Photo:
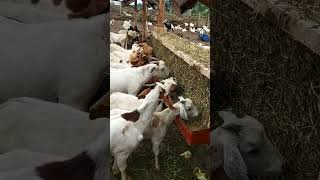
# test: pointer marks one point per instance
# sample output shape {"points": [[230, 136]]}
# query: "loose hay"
{"points": [[262, 71], [192, 83]]}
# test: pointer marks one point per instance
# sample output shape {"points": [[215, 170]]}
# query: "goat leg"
{"points": [[155, 149]]}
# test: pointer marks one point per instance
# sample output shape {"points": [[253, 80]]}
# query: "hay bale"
{"points": [[262, 71], [193, 81]]}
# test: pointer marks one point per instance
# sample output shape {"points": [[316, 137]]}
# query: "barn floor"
{"points": [[172, 165], [193, 37]]}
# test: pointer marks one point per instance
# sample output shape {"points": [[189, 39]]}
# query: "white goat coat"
{"points": [[46, 127], [130, 80]]}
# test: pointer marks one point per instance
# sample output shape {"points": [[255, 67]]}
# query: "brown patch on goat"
{"points": [[156, 122], [80, 167], [86, 8], [167, 101], [144, 93], [141, 56], [131, 116], [101, 108], [153, 79]]}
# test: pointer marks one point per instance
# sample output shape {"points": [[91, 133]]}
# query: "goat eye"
{"points": [[253, 151]]}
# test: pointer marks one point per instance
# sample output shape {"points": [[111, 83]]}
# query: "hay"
{"points": [[191, 82], [309, 9], [197, 53], [262, 71]]}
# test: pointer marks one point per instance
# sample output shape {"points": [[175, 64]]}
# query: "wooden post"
{"points": [[161, 13], [135, 14], [170, 9], [144, 19]]}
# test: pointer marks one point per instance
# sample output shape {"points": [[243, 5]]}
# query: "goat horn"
{"points": [[150, 85], [153, 59]]}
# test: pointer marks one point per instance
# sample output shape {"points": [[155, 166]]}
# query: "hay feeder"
{"points": [[189, 64]]}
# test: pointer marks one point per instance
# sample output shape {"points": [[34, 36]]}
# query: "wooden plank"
{"points": [[288, 18], [144, 19], [161, 13], [135, 14]]}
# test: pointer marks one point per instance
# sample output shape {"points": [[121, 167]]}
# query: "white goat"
{"points": [[93, 160], [111, 22], [127, 14], [161, 121], [126, 25], [126, 135], [45, 127], [118, 38], [242, 148], [130, 102], [119, 57], [205, 28], [122, 38], [156, 131], [130, 80]]}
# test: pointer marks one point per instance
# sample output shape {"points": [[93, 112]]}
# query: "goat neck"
{"points": [[149, 106], [171, 114]]}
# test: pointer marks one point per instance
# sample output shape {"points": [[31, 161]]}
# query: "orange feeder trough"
{"points": [[193, 137]]}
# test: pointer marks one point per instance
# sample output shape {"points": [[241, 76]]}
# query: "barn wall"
{"points": [[262, 71]]}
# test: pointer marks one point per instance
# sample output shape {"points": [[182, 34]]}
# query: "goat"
{"points": [[90, 164], [161, 119], [130, 80], [126, 25], [242, 148], [127, 14], [122, 38], [168, 25], [135, 121], [206, 29], [82, 8], [45, 126], [131, 102]]}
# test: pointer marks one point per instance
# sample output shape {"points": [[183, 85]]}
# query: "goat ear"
{"points": [[181, 99], [183, 113], [234, 165], [160, 84], [228, 116], [100, 108]]}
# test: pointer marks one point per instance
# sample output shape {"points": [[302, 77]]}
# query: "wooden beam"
{"points": [[161, 13], [144, 19], [135, 14]]}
